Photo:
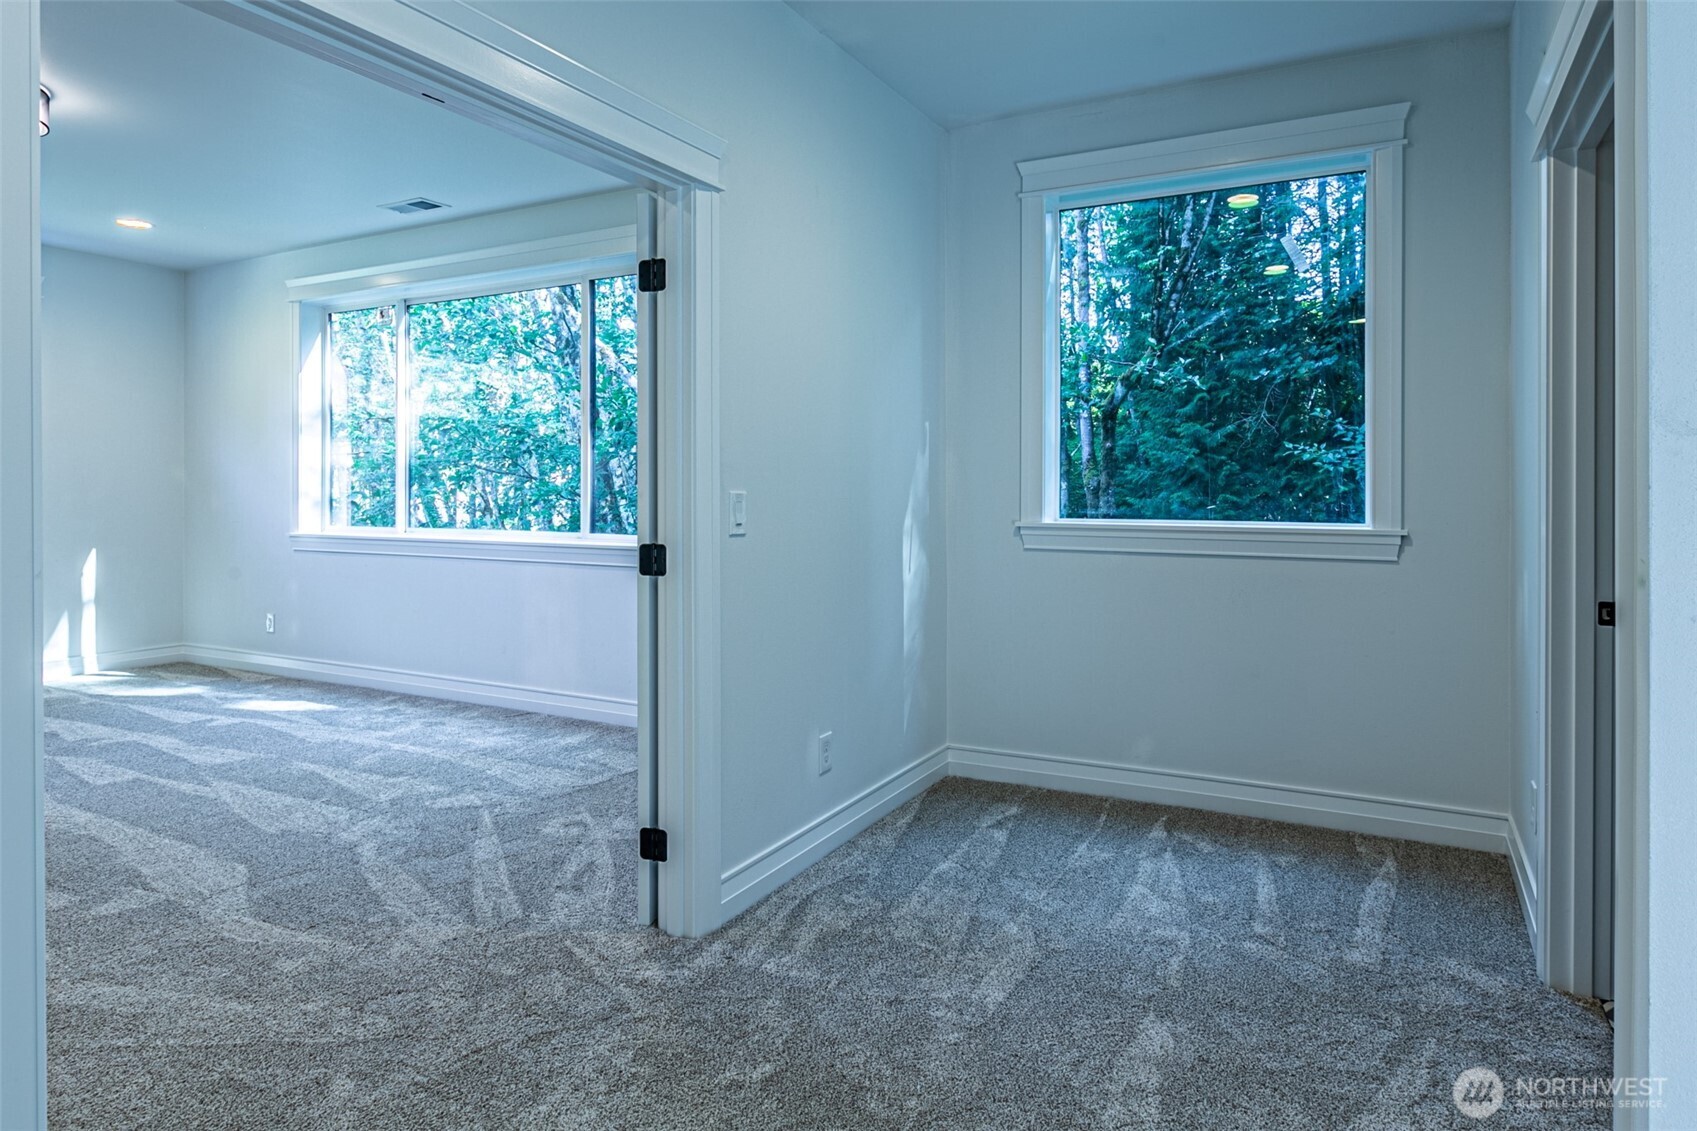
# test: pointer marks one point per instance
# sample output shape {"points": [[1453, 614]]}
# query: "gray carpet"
{"points": [[284, 905]]}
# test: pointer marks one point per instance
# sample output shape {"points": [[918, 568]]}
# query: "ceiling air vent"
{"points": [[416, 204]]}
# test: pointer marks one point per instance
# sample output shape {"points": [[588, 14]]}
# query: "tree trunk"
{"points": [[1325, 243]]}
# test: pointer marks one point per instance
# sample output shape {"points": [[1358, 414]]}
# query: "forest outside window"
{"points": [[477, 414], [1213, 356]]}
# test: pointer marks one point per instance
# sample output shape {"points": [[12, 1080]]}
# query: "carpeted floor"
{"points": [[274, 904]]}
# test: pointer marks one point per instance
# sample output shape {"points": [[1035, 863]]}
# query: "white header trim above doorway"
{"points": [[498, 76]]}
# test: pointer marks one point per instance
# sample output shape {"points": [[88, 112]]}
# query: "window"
{"points": [[1212, 355], [482, 412], [1213, 343]]}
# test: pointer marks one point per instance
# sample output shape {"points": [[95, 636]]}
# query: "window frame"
{"points": [[563, 261], [1369, 141]]}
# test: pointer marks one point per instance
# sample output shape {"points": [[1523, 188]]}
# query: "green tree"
{"points": [[496, 402], [1212, 355], [615, 405], [361, 379]]}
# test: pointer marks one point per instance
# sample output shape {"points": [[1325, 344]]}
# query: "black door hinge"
{"points": [[651, 275], [651, 844], [651, 559], [1606, 614]]}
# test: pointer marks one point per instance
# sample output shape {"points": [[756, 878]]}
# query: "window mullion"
{"points": [[404, 423], [326, 425], [586, 407]]}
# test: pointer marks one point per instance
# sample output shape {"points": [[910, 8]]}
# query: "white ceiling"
{"points": [[236, 146], [963, 61]]}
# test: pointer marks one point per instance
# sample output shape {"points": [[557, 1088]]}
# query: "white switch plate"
{"points": [[825, 752], [739, 514], [270, 623]]}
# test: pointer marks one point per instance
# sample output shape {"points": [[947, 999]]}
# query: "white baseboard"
{"points": [[1525, 882], [55, 671], [752, 880], [1373, 816], [592, 708], [760, 875]]}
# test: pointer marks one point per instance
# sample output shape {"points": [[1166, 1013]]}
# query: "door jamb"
{"points": [[23, 899], [1589, 79]]}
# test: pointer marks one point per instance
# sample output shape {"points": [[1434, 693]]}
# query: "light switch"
{"points": [[739, 513]]}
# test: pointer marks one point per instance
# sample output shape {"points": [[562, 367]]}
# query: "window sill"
{"points": [[592, 550], [1234, 540]]}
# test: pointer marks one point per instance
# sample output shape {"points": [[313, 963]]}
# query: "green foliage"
{"points": [[496, 401], [1195, 385], [496, 398], [615, 405], [362, 417]]}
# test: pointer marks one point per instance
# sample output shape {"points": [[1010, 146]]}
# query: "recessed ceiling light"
{"points": [[1242, 200], [1275, 269], [133, 224]]}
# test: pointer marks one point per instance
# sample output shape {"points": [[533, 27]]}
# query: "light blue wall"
{"points": [[830, 352], [1385, 681], [1670, 168], [112, 459]]}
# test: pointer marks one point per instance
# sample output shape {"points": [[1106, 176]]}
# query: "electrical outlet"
{"points": [[270, 623], [825, 752]]}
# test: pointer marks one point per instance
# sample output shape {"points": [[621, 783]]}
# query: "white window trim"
{"points": [[555, 261], [476, 545], [1370, 140]]}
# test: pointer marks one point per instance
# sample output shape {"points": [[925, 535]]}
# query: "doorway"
{"points": [[464, 430], [1584, 453], [492, 75], [1587, 445]]}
